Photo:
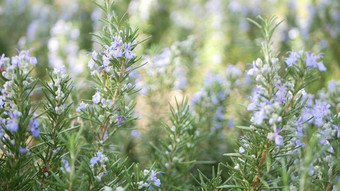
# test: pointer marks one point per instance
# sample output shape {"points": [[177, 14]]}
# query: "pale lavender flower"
{"points": [[241, 150], [320, 111], [91, 64], [96, 98], [15, 61], [33, 61], [128, 52], [312, 61], [276, 137], [117, 43], [94, 160], [12, 124], [120, 119], [331, 85], [34, 127], [106, 61], [23, 150], [81, 106], [254, 98], [94, 55], [153, 177], [281, 93], [293, 57], [66, 165], [117, 53]]}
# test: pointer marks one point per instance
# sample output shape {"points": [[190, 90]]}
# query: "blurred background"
{"points": [[198, 48]]}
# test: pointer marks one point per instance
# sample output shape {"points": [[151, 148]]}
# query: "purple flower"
{"points": [[120, 119], [23, 150], [312, 61], [153, 177], [94, 55], [276, 137], [106, 61], [66, 165], [91, 64], [254, 98], [117, 53], [117, 43], [15, 61], [96, 98], [128, 52], [331, 85], [13, 123], [82, 106], [293, 57], [299, 125], [34, 126], [281, 93], [241, 150], [320, 111], [33, 61], [94, 160]]}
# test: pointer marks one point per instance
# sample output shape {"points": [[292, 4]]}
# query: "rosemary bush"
{"points": [[54, 138]]}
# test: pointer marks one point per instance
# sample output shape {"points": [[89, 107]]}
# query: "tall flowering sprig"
{"points": [[276, 104], [19, 125], [110, 107], [57, 109], [110, 67]]}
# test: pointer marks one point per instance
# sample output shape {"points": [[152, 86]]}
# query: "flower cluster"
{"points": [[213, 96], [104, 60], [15, 71], [311, 59]]}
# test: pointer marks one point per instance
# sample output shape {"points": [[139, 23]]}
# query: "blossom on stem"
{"points": [[34, 127], [96, 98]]}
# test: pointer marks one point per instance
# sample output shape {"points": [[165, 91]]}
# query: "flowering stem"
{"points": [[115, 97], [262, 159]]}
